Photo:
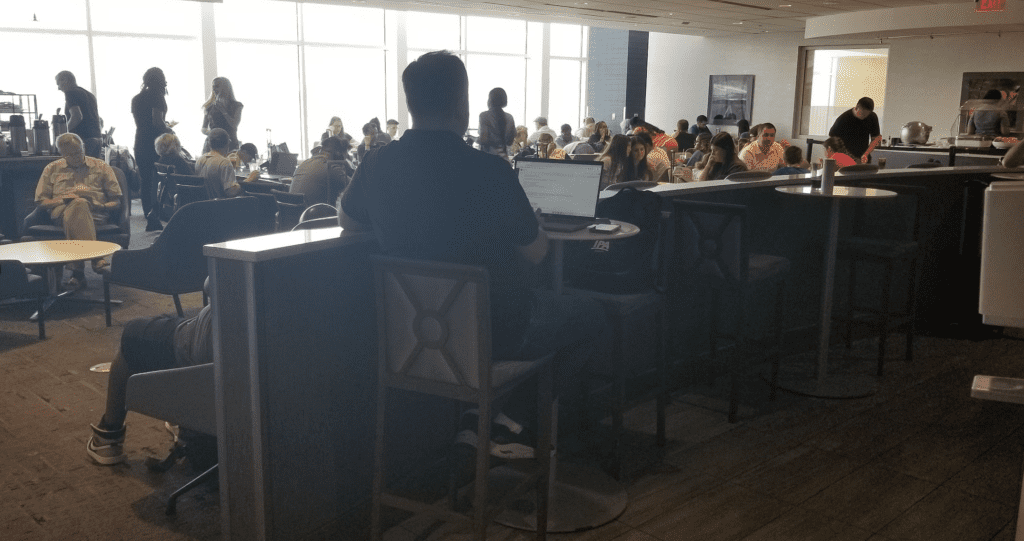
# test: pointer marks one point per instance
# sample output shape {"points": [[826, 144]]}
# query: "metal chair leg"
{"points": [[106, 300], [42, 317], [177, 305], [172, 503], [883, 325]]}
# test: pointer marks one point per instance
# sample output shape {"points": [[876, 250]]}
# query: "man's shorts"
{"points": [[147, 344]]}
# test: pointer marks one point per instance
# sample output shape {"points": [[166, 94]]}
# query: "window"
{"points": [[833, 81]]}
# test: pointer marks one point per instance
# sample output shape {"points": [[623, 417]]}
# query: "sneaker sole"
{"points": [[508, 451], [103, 460]]}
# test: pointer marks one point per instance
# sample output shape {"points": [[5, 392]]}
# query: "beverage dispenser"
{"points": [[19, 139]]}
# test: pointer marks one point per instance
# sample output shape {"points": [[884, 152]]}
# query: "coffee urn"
{"points": [[19, 139], [41, 137], [60, 126]]}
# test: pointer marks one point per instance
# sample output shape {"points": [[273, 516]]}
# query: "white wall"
{"points": [[923, 82], [679, 68]]}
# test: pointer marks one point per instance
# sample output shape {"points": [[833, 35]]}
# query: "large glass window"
{"points": [[42, 15], [343, 24], [564, 94], [164, 17], [489, 71], [432, 32], [833, 81], [39, 78], [487, 35], [356, 98], [264, 20]]}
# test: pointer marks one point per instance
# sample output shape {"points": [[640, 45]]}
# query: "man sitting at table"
{"points": [[245, 154], [79, 192], [322, 177], [763, 153], [216, 167], [430, 196]]}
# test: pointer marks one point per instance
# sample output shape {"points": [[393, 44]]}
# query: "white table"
{"points": [[822, 385], [53, 255]]}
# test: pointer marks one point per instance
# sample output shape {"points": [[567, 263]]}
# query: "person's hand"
{"points": [[172, 123], [253, 176], [784, 143], [864, 159], [206, 131], [540, 218]]}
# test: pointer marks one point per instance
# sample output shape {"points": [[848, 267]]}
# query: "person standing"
{"points": [[149, 109], [82, 112], [497, 128], [858, 128], [222, 111]]}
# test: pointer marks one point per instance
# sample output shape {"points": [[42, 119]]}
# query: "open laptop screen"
{"points": [[561, 187]]}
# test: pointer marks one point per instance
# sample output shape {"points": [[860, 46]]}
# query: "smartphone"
{"points": [[604, 228]]}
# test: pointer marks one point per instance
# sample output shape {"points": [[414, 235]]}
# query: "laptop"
{"points": [[283, 163], [565, 191]]}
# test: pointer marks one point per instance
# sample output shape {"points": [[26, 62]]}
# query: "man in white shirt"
{"points": [[586, 130], [764, 153], [542, 127]]}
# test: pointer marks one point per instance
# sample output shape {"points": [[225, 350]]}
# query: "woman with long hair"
{"points": [[222, 111], [836, 149], [724, 159], [617, 160], [601, 137], [149, 109], [497, 128], [521, 140]]}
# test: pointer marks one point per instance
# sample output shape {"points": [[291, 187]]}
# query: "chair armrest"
{"points": [[181, 396], [136, 267]]}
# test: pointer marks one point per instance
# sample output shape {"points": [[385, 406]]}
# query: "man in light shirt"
{"points": [[763, 154], [542, 127]]}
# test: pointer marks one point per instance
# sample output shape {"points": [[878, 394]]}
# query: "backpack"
{"points": [[624, 265], [121, 157]]}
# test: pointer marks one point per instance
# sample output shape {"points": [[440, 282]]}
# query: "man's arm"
{"points": [[74, 118], [538, 249], [1014, 157], [44, 189], [867, 153]]}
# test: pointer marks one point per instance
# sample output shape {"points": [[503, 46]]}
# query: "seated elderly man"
{"points": [[322, 177], [215, 166], [79, 192], [763, 153]]}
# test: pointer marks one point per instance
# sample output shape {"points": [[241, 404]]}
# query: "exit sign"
{"points": [[991, 5]]}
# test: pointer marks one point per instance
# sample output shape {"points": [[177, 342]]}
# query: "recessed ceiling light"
{"points": [[785, 5], [740, 22]]}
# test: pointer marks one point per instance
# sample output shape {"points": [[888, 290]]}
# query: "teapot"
{"points": [[915, 133]]}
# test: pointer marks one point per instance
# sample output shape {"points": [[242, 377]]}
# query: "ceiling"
{"points": [[692, 17]]}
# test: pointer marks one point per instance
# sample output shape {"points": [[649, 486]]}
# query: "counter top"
{"points": [[286, 244]]}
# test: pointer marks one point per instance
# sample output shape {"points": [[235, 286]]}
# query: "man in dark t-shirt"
{"points": [[431, 196], [83, 115], [858, 128]]}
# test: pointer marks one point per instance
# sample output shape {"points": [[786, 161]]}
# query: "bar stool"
{"points": [[711, 250], [434, 332], [888, 244]]}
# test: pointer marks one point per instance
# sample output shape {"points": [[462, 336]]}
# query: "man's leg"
{"points": [[146, 345], [78, 224]]}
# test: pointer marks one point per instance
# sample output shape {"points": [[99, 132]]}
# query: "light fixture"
{"points": [[740, 22], [785, 5]]}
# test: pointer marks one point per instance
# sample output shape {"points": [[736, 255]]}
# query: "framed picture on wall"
{"points": [[977, 84], [730, 99]]}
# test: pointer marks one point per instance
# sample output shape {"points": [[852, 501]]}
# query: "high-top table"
{"points": [[823, 385], [559, 238], [53, 255]]}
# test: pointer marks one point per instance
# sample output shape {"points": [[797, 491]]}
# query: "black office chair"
{"points": [[174, 264], [319, 210], [712, 253], [749, 176], [887, 238], [186, 189], [16, 282], [290, 207], [39, 226]]}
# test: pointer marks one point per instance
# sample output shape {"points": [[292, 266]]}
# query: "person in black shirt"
{"points": [[149, 108], [82, 112], [858, 128], [430, 196]]}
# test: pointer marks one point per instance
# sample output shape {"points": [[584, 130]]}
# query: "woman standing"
{"points": [[149, 109], [497, 128], [222, 111]]}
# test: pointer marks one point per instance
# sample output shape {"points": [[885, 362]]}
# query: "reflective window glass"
{"points": [[432, 32], [566, 40], [343, 24], [487, 72], [166, 17], [564, 95], [39, 78], [355, 101], [484, 34], [255, 19], [43, 15]]}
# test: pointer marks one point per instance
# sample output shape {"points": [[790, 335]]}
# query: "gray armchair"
{"points": [[174, 263], [15, 282], [38, 226]]}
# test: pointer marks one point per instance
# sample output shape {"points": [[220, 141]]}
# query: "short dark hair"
{"points": [[566, 127], [683, 124], [993, 94], [219, 139], [68, 76], [793, 155], [645, 139], [391, 121], [702, 118], [249, 149], [767, 125], [335, 148], [866, 103], [435, 83], [368, 127]]}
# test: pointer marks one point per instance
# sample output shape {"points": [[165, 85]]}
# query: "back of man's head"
{"points": [[335, 148], [67, 76], [793, 155], [702, 118], [368, 128], [566, 129], [436, 86], [683, 124], [219, 139], [249, 150], [866, 103]]}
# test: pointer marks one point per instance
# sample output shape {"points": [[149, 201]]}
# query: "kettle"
{"points": [[915, 133]]}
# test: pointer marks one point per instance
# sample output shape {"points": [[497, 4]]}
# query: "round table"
{"points": [[1008, 176], [821, 385], [559, 239], [53, 255]]}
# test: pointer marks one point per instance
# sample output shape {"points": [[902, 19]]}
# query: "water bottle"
{"points": [[828, 175]]}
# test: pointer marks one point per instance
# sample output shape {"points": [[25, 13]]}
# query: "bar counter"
{"points": [[295, 346]]}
